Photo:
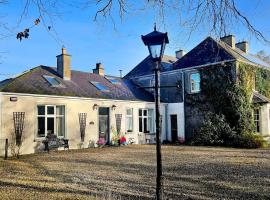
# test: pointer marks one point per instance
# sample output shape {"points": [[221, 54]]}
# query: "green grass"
{"points": [[129, 172]]}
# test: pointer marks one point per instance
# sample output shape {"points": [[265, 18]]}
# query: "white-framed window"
{"points": [[129, 119], [146, 120], [195, 81], [257, 119], [50, 120]]}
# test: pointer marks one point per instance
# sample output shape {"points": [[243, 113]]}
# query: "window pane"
{"points": [[145, 125], [50, 125], [140, 125], [140, 112], [41, 110], [50, 110], [41, 127], [99, 86], [144, 112], [60, 110], [129, 124], [60, 126], [195, 82], [129, 111], [52, 80]]}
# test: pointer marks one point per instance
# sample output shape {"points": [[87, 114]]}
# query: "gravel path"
{"points": [[129, 172]]}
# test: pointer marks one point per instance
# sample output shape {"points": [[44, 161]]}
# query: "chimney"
{"points": [[243, 46], [229, 40], [180, 53], [99, 69], [63, 65]]}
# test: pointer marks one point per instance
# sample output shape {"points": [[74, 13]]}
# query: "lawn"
{"points": [[129, 172]]}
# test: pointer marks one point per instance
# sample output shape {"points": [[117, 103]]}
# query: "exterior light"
{"points": [[113, 107], [156, 42], [95, 106]]}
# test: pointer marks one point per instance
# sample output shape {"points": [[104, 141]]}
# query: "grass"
{"points": [[129, 172]]}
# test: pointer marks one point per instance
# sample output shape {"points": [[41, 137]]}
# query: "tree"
{"points": [[220, 16], [263, 56]]}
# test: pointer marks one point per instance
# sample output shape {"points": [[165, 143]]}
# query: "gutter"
{"points": [[74, 97], [186, 69]]}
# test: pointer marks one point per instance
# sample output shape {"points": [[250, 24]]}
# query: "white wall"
{"points": [[176, 109], [265, 120], [74, 105]]}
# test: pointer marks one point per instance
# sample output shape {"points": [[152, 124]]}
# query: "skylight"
{"points": [[52, 80], [113, 80], [99, 86]]}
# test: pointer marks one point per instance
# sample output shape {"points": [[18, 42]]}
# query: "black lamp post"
{"points": [[156, 41]]}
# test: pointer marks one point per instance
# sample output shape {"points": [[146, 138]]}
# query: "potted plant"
{"points": [[101, 142]]}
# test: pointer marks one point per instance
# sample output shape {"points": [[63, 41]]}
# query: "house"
{"points": [[53, 99], [224, 57], [65, 102]]}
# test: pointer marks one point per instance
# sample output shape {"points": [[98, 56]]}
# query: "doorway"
{"points": [[103, 119], [174, 129]]}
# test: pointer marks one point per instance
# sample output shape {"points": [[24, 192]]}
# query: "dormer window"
{"points": [[195, 81], [99, 86], [113, 80], [52, 80]]}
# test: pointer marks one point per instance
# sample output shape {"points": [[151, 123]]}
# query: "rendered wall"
{"points": [[28, 104]]}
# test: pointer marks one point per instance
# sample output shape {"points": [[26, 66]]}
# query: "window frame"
{"points": [[54, 116], [130, 116], [257, 119], [146, 117], [52, 85], [96, 84], [198, 82]]}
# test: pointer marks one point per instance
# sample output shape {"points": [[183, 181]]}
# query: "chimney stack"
{"points": [[180, 53], [63, 65], [229, 40], [243, 46], [99, 69]]}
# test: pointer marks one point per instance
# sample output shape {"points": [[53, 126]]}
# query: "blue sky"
{"points": [[89, 42]]}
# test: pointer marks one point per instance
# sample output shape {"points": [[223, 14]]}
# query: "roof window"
{"points": [[99, 86], [52, 81]]}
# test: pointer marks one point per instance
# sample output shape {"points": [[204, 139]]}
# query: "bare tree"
{"points": [[220, 16], [263, 56]]}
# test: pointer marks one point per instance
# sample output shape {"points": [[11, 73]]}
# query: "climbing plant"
{"points": [[226, 92]]}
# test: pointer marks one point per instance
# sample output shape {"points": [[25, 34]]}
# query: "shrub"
{"points": [[214, 131], [251, 140]]}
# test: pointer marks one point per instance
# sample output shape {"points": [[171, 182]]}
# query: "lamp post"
{"points": [[156, 42]]}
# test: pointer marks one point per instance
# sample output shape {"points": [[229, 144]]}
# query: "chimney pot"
{"points": [[243, 46], [180, 53], [229, 40]]}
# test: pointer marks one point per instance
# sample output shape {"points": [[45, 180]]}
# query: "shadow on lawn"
{"points": [[185, 177]]}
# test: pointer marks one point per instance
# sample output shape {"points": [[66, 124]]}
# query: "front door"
{"points": [[103, 116], [174, 129]]}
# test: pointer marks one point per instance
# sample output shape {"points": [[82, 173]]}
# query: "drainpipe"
{"points": [[166, 121], [183, 94]]}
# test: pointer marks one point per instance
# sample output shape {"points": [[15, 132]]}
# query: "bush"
{"points": [[214, 131], [251, 140]]}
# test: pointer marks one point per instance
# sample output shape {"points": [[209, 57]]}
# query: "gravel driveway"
{"points": [[129, 173]]}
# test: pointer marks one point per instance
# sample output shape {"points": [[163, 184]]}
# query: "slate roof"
{"points": [[211, 51], [33, 82], [146, 66], [259, 98]]}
